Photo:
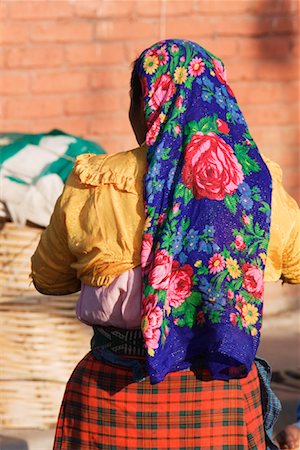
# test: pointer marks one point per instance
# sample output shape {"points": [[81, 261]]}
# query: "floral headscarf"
{"points": [[207, 203]]}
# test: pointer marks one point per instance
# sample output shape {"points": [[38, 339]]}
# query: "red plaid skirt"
{"points": [[103, 408]]}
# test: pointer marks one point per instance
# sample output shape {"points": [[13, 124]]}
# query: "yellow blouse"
{"points": [[96, 227]]}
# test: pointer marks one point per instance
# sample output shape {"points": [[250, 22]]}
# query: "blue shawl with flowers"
{"points": [[207, 202]]}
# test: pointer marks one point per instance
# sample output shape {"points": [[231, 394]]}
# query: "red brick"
{"points": [[73, 125], [31, 10], [80, 105], [275, 140], [115, 144], [265, 47], [279, 114], [282, 136], [222, 48], [33, 107], [277, 70], [29, 57], [95, 54], [86, 9], [235, 26], [213, 7], [234, 7], [13, 84], [3, 10], [124, 29], [147, 8], [84, 104], [115, 9], [63, 31], [22, 126], [134, 48], [1, 58], [286, 158], [253, 25], [60, 82], [295, 193], [291, 177], [178, 7], [195, 27], [284, 24], [2, 105], [296, 48], [238, 70], [12, 33], [259, 92], [108, 78], [110, 124]]}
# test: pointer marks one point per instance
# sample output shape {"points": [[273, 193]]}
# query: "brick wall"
{"points": [[66, 64]]}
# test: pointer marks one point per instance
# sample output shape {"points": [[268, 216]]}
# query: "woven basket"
{"points": [[29, 404], [41, 340], [17, 244]]}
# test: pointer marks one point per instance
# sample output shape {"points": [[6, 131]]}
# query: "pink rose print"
{"points": [[162, 90], [145, 89], [210, 168], [220, 71], [177, 129], [180, 284], [150, 52], [230, 294], [222, 126], [159, 275], [244, 322], [174, 48], [153, 131], [253, 280], [200, 318], [245, 219], [146, 259], [175, 208], [240, 302], [196, 67], [179, 101], [239, 243], [233, 318], [221, 74], [152, 321], [161, 218]]}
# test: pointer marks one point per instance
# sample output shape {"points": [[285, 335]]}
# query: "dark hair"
{"points": [[135, 84]]}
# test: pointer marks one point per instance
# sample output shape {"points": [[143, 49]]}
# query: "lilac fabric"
{"points": [[118, 305], [208, 202]]}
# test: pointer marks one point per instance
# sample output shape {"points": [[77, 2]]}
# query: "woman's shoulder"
{"points": [[274, 168], [117, 168], [280, 195]]}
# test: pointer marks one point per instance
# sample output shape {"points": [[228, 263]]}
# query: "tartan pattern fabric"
{"points": [[103, 408]]}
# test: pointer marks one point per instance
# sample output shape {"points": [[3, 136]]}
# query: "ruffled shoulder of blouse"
{"points": [[274, 168], [276, 173], [124, 170]]}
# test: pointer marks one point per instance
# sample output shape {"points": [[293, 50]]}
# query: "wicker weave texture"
{"points": [[41, 340]]}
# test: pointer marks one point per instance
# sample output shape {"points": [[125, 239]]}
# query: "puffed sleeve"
{"points": [[51, 264], [291, 254], [283, 257]]}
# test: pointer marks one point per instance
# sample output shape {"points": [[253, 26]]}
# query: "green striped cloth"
{"points": [[33, 170]]}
